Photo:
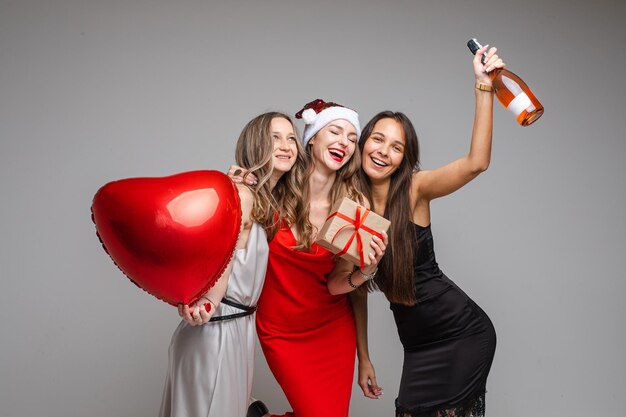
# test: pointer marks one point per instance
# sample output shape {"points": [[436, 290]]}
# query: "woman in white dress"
{"points": [[211, 355]]}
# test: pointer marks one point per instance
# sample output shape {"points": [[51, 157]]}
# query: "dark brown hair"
{"points": [[395, 271]]}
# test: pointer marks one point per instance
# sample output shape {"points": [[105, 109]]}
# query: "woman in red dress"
{"points": [[308, 336]]}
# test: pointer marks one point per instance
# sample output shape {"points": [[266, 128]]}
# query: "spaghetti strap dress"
{"points": [[308, 336], [449, 343], [210, 366]]}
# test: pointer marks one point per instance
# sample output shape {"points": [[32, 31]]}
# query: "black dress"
{"points": [[449, 344]]}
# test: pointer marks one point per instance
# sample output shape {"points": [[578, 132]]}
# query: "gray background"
{"points": [[93, 91]]}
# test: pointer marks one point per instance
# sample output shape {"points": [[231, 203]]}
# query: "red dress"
{"points": [[307, 335]]}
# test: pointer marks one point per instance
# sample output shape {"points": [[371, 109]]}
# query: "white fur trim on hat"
{"points": [[309, 116], [326, 116]]}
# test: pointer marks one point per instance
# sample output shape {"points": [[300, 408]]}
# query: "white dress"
{"points": [[210, 366]]}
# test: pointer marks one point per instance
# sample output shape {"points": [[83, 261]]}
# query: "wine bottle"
{"points": [[512, 92]]}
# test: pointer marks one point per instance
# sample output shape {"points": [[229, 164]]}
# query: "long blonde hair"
{"points": [[346, 184], [254, 150]]}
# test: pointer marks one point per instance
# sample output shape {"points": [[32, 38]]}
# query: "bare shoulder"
{"points": [[246, 198], [245, 193], [419, 176], [416, 180], [418, 184]]}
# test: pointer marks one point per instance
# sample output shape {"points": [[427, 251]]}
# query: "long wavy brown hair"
{"points": [[346, 184], [395, 270], [254, 150]]}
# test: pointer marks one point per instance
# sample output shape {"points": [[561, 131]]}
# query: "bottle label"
{"points": [[520, 103]]}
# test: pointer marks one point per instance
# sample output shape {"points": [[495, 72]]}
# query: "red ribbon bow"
{"points": [[358, 224]]}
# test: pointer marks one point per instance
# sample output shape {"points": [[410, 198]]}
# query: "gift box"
{"points": [[348, 231]]}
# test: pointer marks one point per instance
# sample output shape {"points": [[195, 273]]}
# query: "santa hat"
{"points": [[319, 113]]}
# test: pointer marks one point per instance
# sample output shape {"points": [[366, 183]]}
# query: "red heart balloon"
{"points": [[172, 236]]}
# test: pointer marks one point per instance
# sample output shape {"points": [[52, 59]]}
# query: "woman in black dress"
{"points": [[449, 342]]}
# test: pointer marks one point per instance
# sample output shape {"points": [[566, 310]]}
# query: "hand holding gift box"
{"points": [[349, 230]]}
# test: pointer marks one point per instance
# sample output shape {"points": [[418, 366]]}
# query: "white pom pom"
{"points": [[309, 116]]}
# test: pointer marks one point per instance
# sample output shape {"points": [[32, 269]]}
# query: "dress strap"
{"points": [[246, 310]]}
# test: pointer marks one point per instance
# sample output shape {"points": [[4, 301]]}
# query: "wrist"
{"points": [[208, 300], [363, 360], [365, 277], [369, 276], [483, 87], [350, 283]]}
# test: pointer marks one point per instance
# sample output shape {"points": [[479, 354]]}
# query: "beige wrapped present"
{"points": [[349, 229]]}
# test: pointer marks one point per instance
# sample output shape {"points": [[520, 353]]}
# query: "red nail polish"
{"points": [[207, 307]]}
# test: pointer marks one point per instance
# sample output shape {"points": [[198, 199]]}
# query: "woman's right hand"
{"points": [[236, 174], [367, 380]]}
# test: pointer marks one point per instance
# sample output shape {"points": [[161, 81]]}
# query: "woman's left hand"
{"points": [[197, 314], [378, 246], [492, 61]]}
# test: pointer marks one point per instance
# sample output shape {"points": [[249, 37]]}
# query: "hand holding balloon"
{"points": [[199, 313]]}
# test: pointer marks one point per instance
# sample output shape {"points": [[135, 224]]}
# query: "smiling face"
{"points": [[285, 145], [334, 144], [384, 149]]}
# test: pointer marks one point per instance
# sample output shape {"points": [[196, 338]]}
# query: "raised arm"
{"points": [[431, 184]]}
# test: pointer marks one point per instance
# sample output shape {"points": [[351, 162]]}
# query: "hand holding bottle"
{"points": [[485, 61], [512, 92]]}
